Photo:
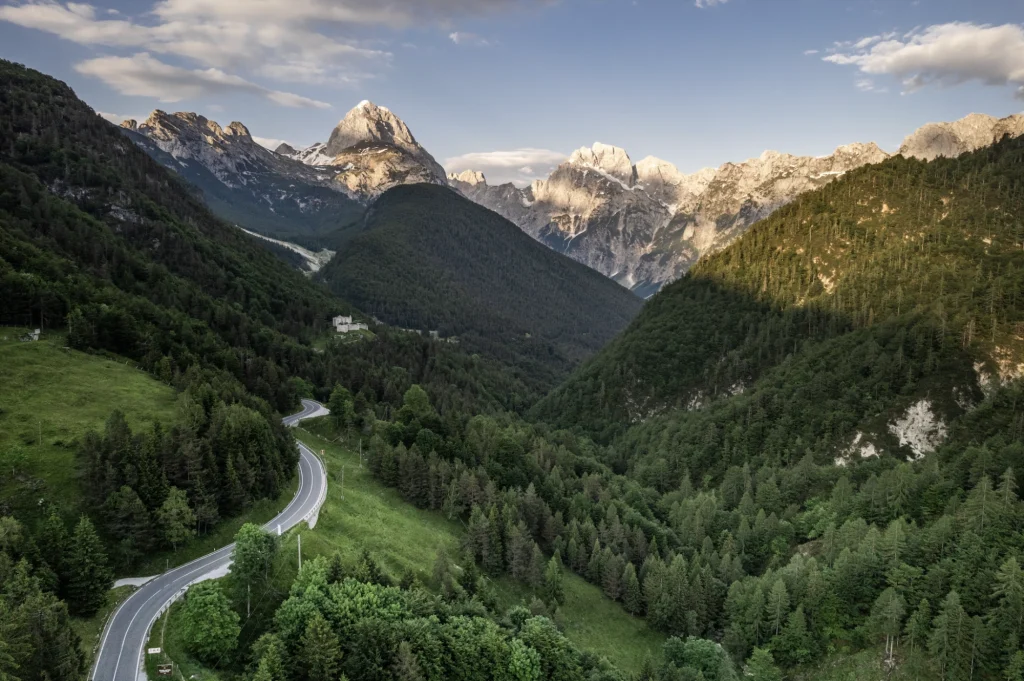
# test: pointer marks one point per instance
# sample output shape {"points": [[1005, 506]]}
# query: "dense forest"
{"points": [[432, 260]]}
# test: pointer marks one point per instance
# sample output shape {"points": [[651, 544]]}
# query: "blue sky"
{"points": [[513, 85]]}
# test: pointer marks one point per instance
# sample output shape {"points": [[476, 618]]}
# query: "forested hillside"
{"points": [[430, 259], [900, 276]]}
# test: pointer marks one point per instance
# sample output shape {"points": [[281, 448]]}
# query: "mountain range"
{"points": [[645, 225], [642, 224], [287, 193]]}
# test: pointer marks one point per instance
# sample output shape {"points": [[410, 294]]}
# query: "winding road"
{"points": [[121, 649]]}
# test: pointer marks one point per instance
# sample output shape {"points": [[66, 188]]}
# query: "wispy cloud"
{"points": [[289, 41], [518, 166], [468, 39], [808, 53], [702, 4], [142, 75], [944, 55]]}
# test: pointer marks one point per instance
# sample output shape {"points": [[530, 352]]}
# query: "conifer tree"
{"points": [[176, 519], [535, 571], [88, 575], [918, 627], [632, 597], [777, 606], [553, 589], [407, 667], [950, 641], [321, 650]]}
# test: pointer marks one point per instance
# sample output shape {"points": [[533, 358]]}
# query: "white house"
{"points": [[343, 324]]}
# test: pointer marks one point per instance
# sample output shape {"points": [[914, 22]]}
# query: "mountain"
{"points": [[240, 180], [289, 193], [646, 224], [870, 314], [429, 259]]}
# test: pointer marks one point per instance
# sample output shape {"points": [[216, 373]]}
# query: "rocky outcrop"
{"points": [[959, 137]]}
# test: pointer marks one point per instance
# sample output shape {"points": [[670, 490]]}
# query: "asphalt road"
{"points": [[121, 648]]}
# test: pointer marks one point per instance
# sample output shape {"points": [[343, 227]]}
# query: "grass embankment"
{"points": [[50, 397]]}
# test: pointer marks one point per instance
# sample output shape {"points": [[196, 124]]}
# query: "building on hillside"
{"points": [[343, 324], [31, 336]]}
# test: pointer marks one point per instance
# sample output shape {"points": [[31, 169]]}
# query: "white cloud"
{"points": [[268, 142], [142, 75], [285, 49], [118, 119], [808, 53], [709, 3], [289, 41], [469, 39], [518, 166], [943, 55]]}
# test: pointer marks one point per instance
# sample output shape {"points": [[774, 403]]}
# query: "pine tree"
{"points": [[524, 662], [1007, 618], [918, 626], [407, 667], [535, 571], [1015, 669], [887, 619], [761, 666], [176, 520], [321, 650], [271, 662], [777, 606], [89, 577], [128, 521], [595, 566], [632, 597], [554, 592], [612, 569], [950, 641], [494, 560], [794, 645]]}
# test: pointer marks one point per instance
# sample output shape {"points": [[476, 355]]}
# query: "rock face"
{"points": [[959, 137], [372, 150], [644, 225]]}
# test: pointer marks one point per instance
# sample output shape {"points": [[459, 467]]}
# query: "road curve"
{"points": [[124, 637]]}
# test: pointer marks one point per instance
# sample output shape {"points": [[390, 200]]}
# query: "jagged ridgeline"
{"points": [[429, 259], [878, 309]]}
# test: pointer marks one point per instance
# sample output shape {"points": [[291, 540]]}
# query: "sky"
{"points": [[511, 87]]}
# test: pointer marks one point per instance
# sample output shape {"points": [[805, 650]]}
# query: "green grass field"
{"points": [[49, 397]]}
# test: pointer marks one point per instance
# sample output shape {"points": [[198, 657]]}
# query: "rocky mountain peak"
{"points": [[470, 177], [368, 124], [285, 149], [238, 130], [610, 160]]}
